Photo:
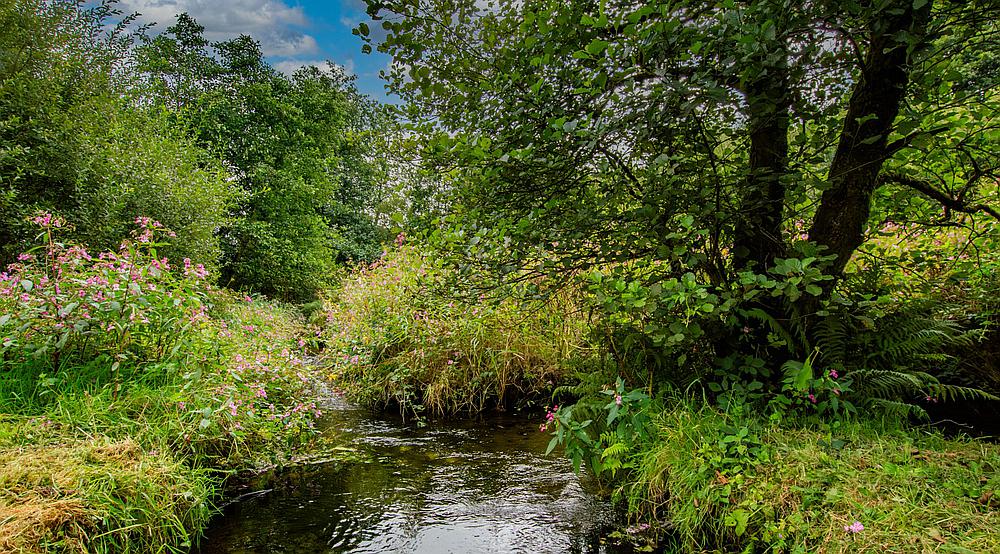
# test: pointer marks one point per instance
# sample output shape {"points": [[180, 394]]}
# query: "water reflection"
{"points": [[462, 487]]}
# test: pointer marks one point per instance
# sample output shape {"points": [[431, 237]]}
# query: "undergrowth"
{"points": [[394, 338], [733, 479], [129, 389]]}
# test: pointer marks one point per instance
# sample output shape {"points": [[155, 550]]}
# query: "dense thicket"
{"points": [[726, 175], [72, 145]]}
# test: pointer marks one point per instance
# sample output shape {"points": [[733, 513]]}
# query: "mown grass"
{"points": [[728, 482]]}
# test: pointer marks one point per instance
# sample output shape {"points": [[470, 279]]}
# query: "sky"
{"points": [[291, 32]]}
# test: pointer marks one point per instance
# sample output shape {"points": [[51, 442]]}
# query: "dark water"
{"points": [[457, 487]]}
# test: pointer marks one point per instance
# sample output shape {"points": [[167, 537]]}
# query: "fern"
{"points": [[895, 360]]}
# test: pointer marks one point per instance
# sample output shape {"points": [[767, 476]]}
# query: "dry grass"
{"points": [[73, 496]]}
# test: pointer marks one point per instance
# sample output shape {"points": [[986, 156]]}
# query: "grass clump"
{"points": [[394, 338], [729, 480], [129, 389], [110, 496]]}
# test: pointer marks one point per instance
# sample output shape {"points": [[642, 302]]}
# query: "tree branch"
{"points": [[945, 199]]}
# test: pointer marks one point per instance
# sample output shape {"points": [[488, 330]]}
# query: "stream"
{"points": [[464, 486]]}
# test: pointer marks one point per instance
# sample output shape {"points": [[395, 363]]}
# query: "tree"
{"points": [[73, 144], [717, 156], [296, 146]]}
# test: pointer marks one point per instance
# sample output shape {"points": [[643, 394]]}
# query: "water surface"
{"points": [[481, 486]]}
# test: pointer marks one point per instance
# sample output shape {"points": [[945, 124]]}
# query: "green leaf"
{"points": [[552, 445], [596, 46]]}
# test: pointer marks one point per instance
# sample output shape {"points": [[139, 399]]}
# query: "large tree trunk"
{"points": [[758, 231], [845, 206]]}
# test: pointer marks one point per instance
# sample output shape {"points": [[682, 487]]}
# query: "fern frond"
{"points": [[955, 392], [897, 408]]}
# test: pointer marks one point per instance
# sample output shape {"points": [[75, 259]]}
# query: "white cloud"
{"points": [[272, 22], [288, 67]]}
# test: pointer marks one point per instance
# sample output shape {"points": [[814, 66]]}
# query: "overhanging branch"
{"points": [[945, 199]]}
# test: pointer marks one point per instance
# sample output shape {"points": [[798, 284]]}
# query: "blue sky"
{"points": [[291, 32]]}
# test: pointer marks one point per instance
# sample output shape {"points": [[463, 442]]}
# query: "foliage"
{"points": [[395, 337], [621, 431], [301, 149], [129, 366], [72, 144], [712, 170], [730, 478]]}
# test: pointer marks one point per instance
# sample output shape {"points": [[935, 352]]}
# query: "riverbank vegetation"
{"points": [[395, 338], [129, 389], [739, 259]]}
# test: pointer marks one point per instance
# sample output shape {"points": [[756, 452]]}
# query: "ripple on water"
{"points": [[452, 488]]}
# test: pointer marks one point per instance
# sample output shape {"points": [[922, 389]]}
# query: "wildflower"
{"points": [[25, 257], [812, 398], [746, 330], [834, 374], [618, 399], [855, 527], [542, 427]]}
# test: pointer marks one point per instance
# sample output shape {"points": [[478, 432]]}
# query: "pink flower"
{"points": [[812, 398], [834, 374], [855, 527], [618, 399]]}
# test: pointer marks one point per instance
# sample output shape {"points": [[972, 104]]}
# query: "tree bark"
{"points": [[845, 206], [758, 230]]}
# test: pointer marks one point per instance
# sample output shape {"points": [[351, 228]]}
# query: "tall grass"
{"points": [[732, 480], [129, 389], [396, 337]]}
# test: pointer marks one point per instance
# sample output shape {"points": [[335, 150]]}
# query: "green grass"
{"points": [[135, 465], [394, 339], [727, 482], [97, 495]]}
